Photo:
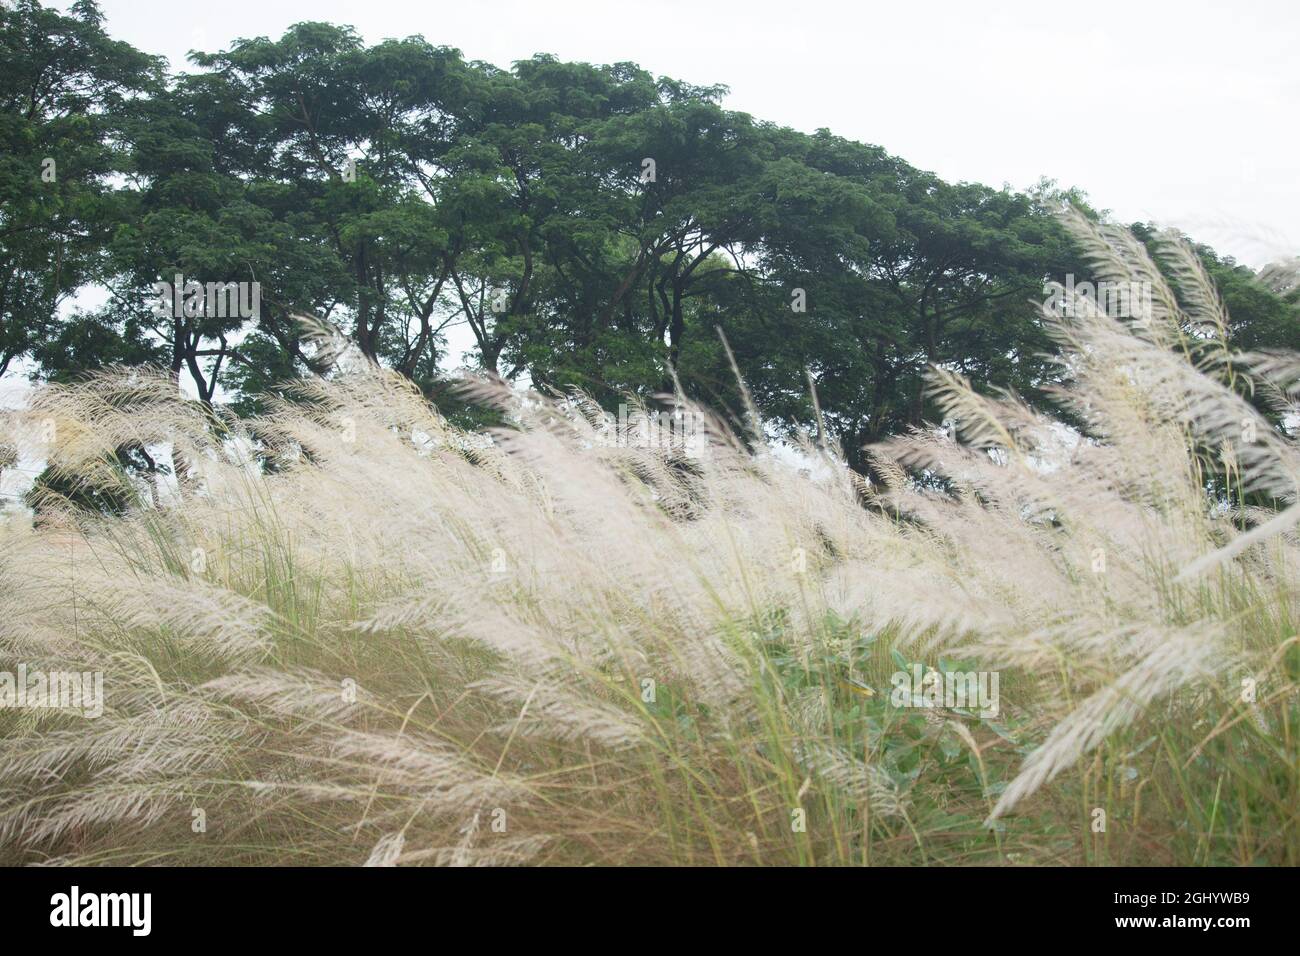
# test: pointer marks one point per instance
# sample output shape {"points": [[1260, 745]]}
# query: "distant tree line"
{"points": [[592, 226]]}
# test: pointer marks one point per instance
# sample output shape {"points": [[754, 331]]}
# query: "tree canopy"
{"points": [[590, 226]]}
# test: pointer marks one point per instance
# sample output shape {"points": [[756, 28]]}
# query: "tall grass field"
{"points": [[354, 634]]}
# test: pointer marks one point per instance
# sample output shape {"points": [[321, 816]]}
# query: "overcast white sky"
{"points": [[1179, 112]]}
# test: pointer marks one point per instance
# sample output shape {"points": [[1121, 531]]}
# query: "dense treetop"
{"points": [[591, 226]]}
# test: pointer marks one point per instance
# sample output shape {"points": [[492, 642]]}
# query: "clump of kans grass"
{"points": [[354, 634]]}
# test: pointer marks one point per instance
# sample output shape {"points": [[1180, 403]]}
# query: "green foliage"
{"points": [[401, 192], [66, 92]]}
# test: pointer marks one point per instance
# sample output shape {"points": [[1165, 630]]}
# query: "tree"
{"points": [[592, 227], [66, 91]]}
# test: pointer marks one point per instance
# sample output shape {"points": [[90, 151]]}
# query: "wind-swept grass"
{"points": [[408, 644]]}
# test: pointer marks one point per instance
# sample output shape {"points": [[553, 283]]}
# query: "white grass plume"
{"points": [[631, 653]]}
